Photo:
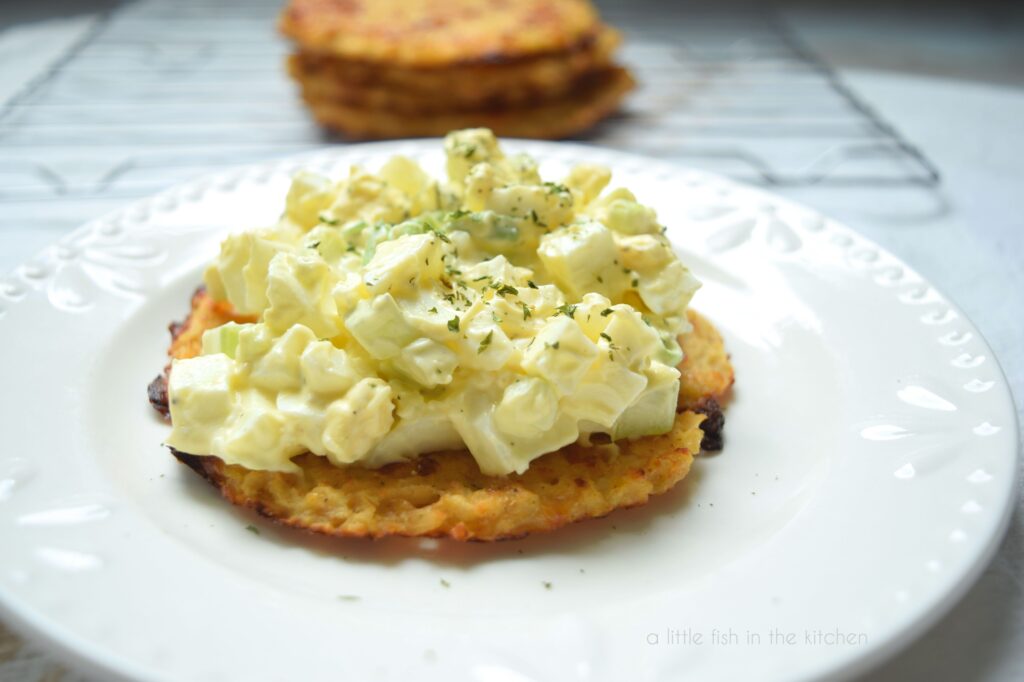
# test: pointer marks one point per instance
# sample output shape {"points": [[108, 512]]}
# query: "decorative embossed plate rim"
{"points": [[868, 396]]}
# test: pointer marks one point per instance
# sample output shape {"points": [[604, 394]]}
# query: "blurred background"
{"points": [[905, 120]]}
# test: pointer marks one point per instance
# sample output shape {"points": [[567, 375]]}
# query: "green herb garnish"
{"points": [[486, 342]]}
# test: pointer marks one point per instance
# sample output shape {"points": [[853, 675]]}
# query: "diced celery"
{"points": [[406, 228], [652, 414], [380, 327], [671, 353], [503, 230], [352, 231], [490, 231], [222, 339], [374, 236]]}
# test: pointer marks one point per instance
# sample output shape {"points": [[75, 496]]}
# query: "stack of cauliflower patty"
{"points": [[412, 68], [481, 356]]}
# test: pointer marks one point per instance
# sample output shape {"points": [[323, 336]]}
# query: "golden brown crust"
{"points": [[427, 33], [445, 494], [706, 372], [562, 117], [467, 86]]}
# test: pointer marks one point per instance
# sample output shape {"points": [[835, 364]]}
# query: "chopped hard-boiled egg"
{"points": [[399, 314]]}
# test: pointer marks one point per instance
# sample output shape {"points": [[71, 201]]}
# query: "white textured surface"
{"points": [[966, 239], [897, 439]]}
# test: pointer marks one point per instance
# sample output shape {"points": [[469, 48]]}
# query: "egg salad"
{"points": [[398, 315]]}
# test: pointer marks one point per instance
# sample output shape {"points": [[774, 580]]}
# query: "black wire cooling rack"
{"points": [[158, 91]]}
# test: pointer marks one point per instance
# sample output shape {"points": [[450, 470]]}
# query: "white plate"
{"points": [[867, 477]]}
